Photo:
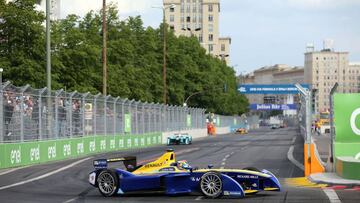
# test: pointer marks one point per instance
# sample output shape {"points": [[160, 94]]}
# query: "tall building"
{"points": [[326, 67], [201, 19]]}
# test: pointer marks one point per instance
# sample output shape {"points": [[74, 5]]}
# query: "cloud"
{"points": [[322, 4]]}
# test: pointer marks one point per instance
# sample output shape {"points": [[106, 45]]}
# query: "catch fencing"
{"points": [[28, 114]]}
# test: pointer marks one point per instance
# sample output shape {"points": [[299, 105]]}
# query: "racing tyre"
{"points": [[251, 169], [168, 141], [108, 182], [187, 141], [211, 184]]}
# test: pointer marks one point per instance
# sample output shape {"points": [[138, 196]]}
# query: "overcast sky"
{"points": [[263, 32]]}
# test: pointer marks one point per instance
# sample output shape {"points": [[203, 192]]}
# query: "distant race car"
{"points": [[183, 138], [177, 177], [241, 131], [275, 126]]}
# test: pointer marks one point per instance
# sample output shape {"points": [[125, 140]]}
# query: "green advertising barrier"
{"points": [[27, 153], [188, 120], [347, 139]]}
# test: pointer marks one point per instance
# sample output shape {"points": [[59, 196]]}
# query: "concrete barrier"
{"points": [[222, 130]]}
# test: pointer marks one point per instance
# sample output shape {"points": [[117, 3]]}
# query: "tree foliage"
{"points": [[134, 59]]}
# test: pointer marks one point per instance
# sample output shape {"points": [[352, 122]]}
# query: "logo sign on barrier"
{"points": [[188, 120], [270, 107], [347, 118], [270, 89], [127, 127]]}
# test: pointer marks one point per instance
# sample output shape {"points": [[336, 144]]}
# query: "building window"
{"points": [[188, 8], [210, 8], [172, 9], [211, 48], [200, 38], [200, 8], [172, 18], [211, 27], [222, 47], [182, 19], [188, 19], [182, 10], [172, 27], [200, 19], [211, 37], [211, 18], [194, 7], [183, 26], [194, 18]]}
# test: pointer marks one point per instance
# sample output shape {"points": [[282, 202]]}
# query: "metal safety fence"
{"points": [[28, 114]]}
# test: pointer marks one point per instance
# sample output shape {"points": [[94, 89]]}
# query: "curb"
{"points": [[334, 182]]}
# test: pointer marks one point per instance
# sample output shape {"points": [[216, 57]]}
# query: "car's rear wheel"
{"points": [[211, 184], [187, 141], [108, 182], [168, 141]]}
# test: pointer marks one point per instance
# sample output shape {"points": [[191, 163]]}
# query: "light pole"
{"points": [[48, 68], [104, 59], [164, 49], [1, 107]]}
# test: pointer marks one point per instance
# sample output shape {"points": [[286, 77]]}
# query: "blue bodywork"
{"points": [[175, 183]]}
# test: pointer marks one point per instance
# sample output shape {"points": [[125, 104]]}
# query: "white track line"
{"points": [[290, 156], [71, 200], [44, 175], [331, 194], [199, 198], [12, 170]]}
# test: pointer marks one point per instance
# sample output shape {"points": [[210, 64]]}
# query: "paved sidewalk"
{"points": [[332, 178], [323, 144]]}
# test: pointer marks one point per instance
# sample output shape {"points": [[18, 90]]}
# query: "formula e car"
{"points": [[183, 138], [178, 178], [241, 131]]}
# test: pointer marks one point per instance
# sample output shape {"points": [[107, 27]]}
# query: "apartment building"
{"points": [[326, 67], [199, 18]]}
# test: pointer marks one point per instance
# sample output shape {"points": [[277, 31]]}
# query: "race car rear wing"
{"points": [[129, 162]]}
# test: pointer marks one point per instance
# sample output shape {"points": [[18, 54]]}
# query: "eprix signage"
{"points": [[270, 107], [270, 88]]}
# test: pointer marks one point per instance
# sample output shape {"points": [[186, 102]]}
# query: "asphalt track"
{"points": [[263, 148]]}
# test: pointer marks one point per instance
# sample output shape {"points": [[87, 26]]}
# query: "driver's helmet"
{"points": [[183, 165]]}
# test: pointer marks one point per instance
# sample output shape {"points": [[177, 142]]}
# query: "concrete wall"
{"points": [[222, 130], [195, 133]]}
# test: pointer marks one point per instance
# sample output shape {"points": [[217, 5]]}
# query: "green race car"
{"points": [[177, 139]]}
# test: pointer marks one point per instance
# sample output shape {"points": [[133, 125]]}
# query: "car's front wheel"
{"points": [[108, 182], [211, 184]]}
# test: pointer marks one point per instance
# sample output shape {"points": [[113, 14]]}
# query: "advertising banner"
{"points": [[270, 107], [20, 154], [188, 120], [270, 88], [127, 127]]}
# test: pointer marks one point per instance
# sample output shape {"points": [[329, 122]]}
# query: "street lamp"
{"points": [[164, 49]]}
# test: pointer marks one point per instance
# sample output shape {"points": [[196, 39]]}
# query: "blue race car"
{"points": [[179, 139], [177, 178]]}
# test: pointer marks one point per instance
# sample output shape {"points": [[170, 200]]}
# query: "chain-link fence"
{"points": [[28, 114]]}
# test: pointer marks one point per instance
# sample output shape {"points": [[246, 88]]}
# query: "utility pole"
{"points": [[48, 69], [104, 49], [164, 60]]}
